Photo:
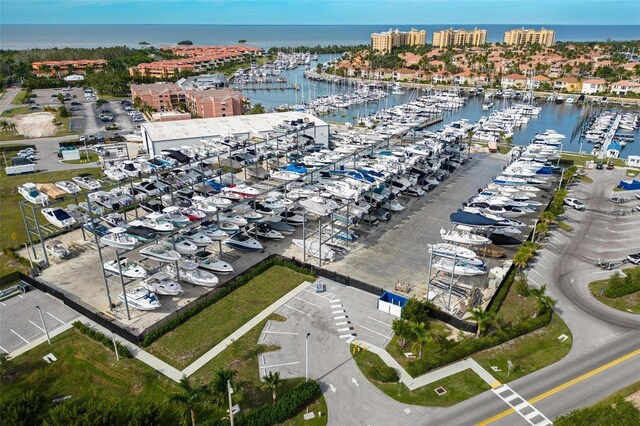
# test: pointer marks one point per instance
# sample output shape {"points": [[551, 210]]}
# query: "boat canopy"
{"points": [[472, 219]]}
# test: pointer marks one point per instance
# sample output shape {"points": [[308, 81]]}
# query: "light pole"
{"points": [[306, 357], [229, 392], [46, 331]]}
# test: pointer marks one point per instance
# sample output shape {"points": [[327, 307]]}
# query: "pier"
{"points": [[608, 137]]}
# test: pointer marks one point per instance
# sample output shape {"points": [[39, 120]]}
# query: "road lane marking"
{"points": [[18, 335], [563, 386], [344, 336], [6, 351]]}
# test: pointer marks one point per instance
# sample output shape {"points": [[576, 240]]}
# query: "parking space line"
{"points": [[20, 296], [2, 303], [6, 351], [342, 323], [306, 301], [296, 309], [336, 306], [340, 330], [339, 311], [279, 332], [18, 335], [340, 317], [381, 322], [36, 326], [335, 300], [373, 331], [279, 365], [344, 336], [56, 318], [351, 339]]}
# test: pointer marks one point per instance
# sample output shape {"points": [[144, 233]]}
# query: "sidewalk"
{"points": [[414, 383]]}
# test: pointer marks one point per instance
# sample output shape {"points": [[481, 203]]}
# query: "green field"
{"points": [[629, 303], [83, 159], [192, 339], [20, 98], [459, 386], [12, 112], [86, 369]]}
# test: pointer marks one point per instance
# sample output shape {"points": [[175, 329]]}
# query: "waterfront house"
{"points": [[633, 161], [404, 74], [57, 68], [594, 85], [440, 77], [513, 81], [567, 84], [382, 73], [624, 87], [464, 77], [538, 80], [613, 150]]}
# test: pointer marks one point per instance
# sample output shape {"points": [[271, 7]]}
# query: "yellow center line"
{"points": [[563, 386]]}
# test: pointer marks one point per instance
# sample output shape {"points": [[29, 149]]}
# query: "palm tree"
{"points": [[4, 125], [272, 380], [218, 386], [189, 398], [45, 69], [522, 257], [544, 301], [482, 317], [422, 337], [56, 68], [542, 228], [547, 217], [402, 329]]}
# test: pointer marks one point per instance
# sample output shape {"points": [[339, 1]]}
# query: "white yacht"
{"points": [[129, 269], [117, 238], [191, 273], [161, 253], [68, 187], [161, 284], [30, 192], [140, 298], [58, 217]]}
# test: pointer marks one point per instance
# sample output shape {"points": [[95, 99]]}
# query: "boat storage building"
{"points": [[171, 134]]}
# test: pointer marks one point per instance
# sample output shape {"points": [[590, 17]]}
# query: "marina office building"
{"points": [[385, 41], [461, 37], [171, 134], [521, 36]]}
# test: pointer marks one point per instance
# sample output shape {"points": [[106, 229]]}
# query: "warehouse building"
{"points": [[163, 135]]}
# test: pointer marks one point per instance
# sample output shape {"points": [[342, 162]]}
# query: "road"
{"points": [[7, 98]]}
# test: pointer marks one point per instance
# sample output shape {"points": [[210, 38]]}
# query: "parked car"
{"points": [[634, 258], [610, 165], [599, 166], [575, 203]]}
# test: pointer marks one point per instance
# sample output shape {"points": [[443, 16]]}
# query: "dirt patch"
{"points": [[36, 125], [634, 398]]}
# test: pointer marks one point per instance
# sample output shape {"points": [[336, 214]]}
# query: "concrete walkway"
{"points": [[414, 383], [213, 352]]}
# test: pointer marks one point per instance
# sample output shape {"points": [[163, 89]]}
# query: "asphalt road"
{"points": [[5, 101]]}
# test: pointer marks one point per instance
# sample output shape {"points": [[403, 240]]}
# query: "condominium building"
{"points": [[520, 36], [159, 96], [215, 103], [57, 68], [461, 37], [385, 41]]}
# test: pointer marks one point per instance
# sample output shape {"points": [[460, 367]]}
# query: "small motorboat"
{"points": [[292, 218], [228, 227], [250, 215], [141, 299], [151, 206], [199, 238], [451, 251], [233, 218], [243, 242], [263, 210], [157, 222], [191, 273], [462, 235], [457, 268], [30, 192], [507, 230], [203, 204], [116, 174], [86, 181], [212, 231], [192, 214], [263, 230], [313, 248], [117, 238], [278, 225], [216, 266], [161, 253], [57, 249], [68, 187], [173, 215], [504, 240], [183, 246], [161, 284], [140, 232], [240, 191], [129, 269], [274, 204], [58, 217]]}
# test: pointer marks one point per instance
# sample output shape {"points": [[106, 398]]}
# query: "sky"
{"points": [[320, 12]]}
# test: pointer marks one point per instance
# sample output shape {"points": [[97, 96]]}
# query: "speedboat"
{"points": [[250, 215], [450, 250], [462, 235], [140, 232], [204, 204], [292, 218], [240, 191], [56, 249], [30, 192], [157, 222], [233, 218], [58, 217], [263, 230], [86, 181], [275, 204], [117, 238], [68, 187], [140, 298], [115, 173], [457, 268], [243, 242], [216, 266], [192, 214], [129, 269], [161, 253], [313, 248], [161, 284], [277, 224], [191, 273], [183, 246], [173, 215], [199, 238], [212, 231], [263, 210], [228, 227]]}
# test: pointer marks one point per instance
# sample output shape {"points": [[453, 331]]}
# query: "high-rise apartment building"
{"points": [[385, 41], [461, 37], [520, 36]]}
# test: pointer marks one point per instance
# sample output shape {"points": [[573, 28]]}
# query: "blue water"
{"points": [[25, 36]]}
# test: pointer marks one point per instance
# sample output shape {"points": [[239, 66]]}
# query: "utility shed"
{"points": [[391, 303]]}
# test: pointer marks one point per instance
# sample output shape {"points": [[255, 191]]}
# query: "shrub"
{"points": [[521, 285], [238, 282], [21, 410], [618, 286], [501, 294], [417, 310], [99, 337], [284, 408], [383, 373]]}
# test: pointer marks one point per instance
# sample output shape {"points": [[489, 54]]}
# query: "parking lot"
{"points": [[20, 322]]}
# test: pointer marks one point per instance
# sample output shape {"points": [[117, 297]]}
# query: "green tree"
{"points": [[271, 381], [482, 318], [256, 109], [421, 337], [190, 399], [521, 285], [416, 310], [544, 302], [82, 412], [145, 414], [218, 386], [22, 409], [402, 329]]}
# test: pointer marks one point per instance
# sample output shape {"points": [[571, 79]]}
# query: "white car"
{"points": [[634, 258], [638, 195], [575, 203]]}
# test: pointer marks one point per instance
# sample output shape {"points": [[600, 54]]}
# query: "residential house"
{"points": [[624, 87], [567, 84], [404, 74], [594, 85], [538, 80], [383, 73], [514, 81], [440, 77]]}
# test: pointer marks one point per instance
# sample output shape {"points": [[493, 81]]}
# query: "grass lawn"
{"points": [[528, 353], [632, 172], [9, 136], [612, 411], [564, 226], [580, 159], [192, 339], [460, 386], [12, 112], [439, 332], [617, 189], [628, 303], [242, 356], [13, 232], [317, 406], [83, 159], [86, 368], [504, 149], [115, 98], [20, 98], [585, 178]]}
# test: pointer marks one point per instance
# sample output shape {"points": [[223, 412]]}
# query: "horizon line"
{"points": [[319, 25]]}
